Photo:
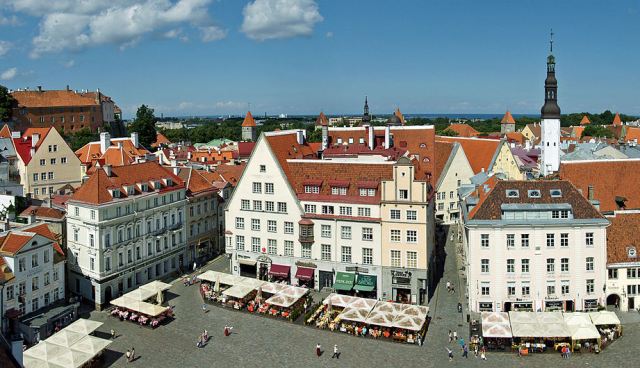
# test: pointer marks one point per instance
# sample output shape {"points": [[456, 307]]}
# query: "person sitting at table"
{"points": [[364, 331], [386, 333]]}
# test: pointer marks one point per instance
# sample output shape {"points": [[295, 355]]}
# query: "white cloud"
{"points": [[9, 21], [329, 35], [271, 19], [212, 33], [5, 46], [69, 63], [78, 24], [9, 74], [229, 105]]}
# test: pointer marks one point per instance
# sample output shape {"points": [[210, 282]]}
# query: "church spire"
{"points": [[551, 110], [366, 118]]}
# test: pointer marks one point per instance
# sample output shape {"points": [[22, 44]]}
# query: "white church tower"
{"points": [[550, 120]]}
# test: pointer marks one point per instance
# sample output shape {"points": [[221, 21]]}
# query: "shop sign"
{"points": [[401, 277], [263, 259], [306, 264], [356, 269]]}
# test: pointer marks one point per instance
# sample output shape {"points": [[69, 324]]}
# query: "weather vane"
{"points": [[551, 40]]}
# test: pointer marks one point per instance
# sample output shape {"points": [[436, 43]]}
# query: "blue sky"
{"points": [[194, 57]]}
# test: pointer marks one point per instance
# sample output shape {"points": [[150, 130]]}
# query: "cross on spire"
{"points": [[551, 40]]}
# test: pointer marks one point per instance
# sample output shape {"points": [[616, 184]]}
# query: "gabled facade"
{"points": [[31, 270], [456, 172], [46, 162], [623, 262], [125, 227], [111, 151], [305, 220]]}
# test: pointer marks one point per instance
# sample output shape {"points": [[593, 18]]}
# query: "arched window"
{"points": [[631, 252]]}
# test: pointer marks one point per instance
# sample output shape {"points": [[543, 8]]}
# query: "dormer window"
{"points": [[339, 140], [156, 184], [129, 189], [339, 191], [314, 189], [115, 193], [555, 193], [361, 140], [169, 182], [631, 252], [534, 193], [144, 187], [366, 192], [513, 193]]}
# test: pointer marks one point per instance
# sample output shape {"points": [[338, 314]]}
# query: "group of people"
{"points": [[131, 355], [565, 352], [464, 347], [336, 352], [203, 339], [450, 287]]}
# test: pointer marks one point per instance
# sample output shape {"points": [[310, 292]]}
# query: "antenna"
{"points": [[551, 40], [248, 106]]}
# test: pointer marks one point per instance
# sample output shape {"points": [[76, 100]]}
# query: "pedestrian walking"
{"points": [[205, 334], [113, 334], [448, 286], [483, 355], [133, 354], [455, 335], [195, 266], [461, 343], [336, 354], [450, 336], [453, 289], [476, 351], [318, 350], [465, 351], [204, 307], [128, 355], [199, 343], [450, 354]]}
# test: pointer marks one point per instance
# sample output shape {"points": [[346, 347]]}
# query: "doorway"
{"points": [[613, 300], [107, 295]]}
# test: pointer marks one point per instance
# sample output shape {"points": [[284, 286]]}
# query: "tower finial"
{"points": [[551, 41]]}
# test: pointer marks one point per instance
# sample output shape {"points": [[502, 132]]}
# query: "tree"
{"points": [[145, 126], [6, 103], [448, 133], [596, 131]]}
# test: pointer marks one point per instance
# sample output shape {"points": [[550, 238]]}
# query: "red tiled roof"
{"points": [[245, 148], [11, 243], [196, 182], [610, 179], [53, 98], [95, 189], [622, 234], [160, 139], [399, 115], [443, 151], [516, 137], [616, 120], [225, 173], [491, 207], [114, 155], [322, 120], [633, 133], [507, 118], [479, 151], [463, 130], [5, 132], [315, 146], [249, 121], [43, 212], [211, 157], [585, 120]]}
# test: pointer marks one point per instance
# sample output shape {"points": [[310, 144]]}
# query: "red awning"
{"points": [[304, 274], [279, 270]]}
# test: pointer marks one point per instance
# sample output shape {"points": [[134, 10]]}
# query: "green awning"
{"points": [[344, 281], [365, 283]]}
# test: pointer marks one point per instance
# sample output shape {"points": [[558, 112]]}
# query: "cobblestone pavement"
{"points": [[260, 341]]}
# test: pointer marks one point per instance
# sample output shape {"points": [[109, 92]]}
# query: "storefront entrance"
{"points": [[326, 279], [248, 268], [523, 307], [613, 300], [401, 295], [553, 306]]}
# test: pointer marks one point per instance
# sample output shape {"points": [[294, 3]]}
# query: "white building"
{"points": [[550, 125], [452, 171], [31, 270], [125, 228], [623, 261], [534, 245], [305, 220]]}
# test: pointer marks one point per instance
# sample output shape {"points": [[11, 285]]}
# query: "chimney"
{"points": [[105, 141], [34, 139], [135, 140], [325, 137], [387, 137], [189, 155], [107, 169], [33, 151], [590, 192], [120, 145], [371, 138], [300, 136], [176, 170], [32, 217]]}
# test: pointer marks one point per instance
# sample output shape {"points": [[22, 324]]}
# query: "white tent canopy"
{"points": [[44, 350], [31, 362], [577, 319], [65, 338], [238, 291], [91, 345], [71, 359], [525, 329], [83, 326], [584, 332], [604, 318], [338, 300], [139, 294], [211, 276], [155, 286], [149, 309], [496, 325]]}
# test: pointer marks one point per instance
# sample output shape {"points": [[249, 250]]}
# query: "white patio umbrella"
{"points": [[217, 287], [160, 297], [65, 338], [44, 350], [71, 359], [330, 304], [31, 362], [91, 345], [259, 294]]}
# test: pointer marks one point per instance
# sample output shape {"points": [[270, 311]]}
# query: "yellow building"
{"points": [[46, 163], [408, 252]]}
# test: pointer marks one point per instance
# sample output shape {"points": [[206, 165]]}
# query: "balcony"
{"points": [[306, 238]]}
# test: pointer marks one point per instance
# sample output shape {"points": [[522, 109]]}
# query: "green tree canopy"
{"points": [[6, 104], [596, 131], [145, 126]]}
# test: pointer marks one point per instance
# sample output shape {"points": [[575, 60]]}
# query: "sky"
{"points": [[215, 57]]}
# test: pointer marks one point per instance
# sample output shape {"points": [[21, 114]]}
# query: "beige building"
{"points": [[455, 172], [46, 163], [407, 241], [505, 163]]}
